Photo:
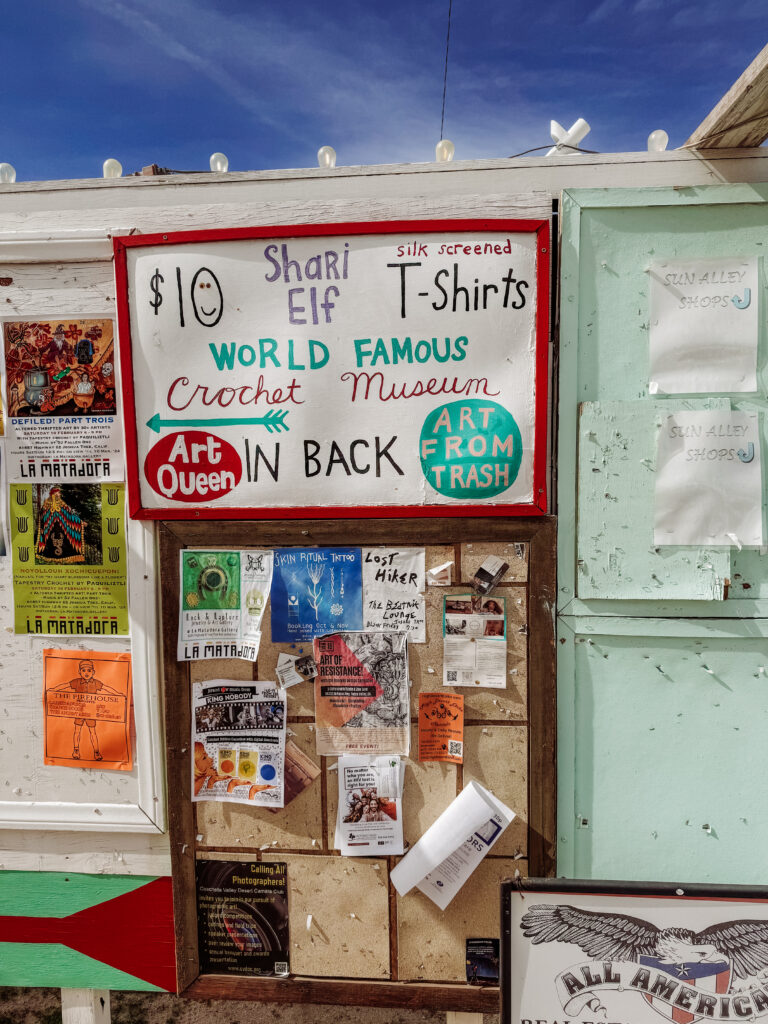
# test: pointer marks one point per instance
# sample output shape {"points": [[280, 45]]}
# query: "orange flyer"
{"points": [[86, 709], [441, 727]]}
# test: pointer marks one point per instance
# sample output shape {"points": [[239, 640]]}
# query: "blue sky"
{"points": [[171, 81]]}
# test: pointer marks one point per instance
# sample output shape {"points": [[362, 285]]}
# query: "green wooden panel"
{"points": [[615, 554], [50, 965], [58, 893], [671, 758]]}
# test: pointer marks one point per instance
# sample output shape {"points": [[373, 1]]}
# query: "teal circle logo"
{"points": [[470, 449]]}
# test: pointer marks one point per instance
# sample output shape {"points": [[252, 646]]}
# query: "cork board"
{"points": [[367, 945]]}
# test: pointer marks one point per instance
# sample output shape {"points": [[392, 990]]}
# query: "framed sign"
{"points": [[394, 368], [633, 952]]}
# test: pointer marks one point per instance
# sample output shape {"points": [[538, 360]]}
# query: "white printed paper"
{"points": [[474, 641], [238, 742], [703, 326], [709, 480], [286, 670], [393, 585], [369, 821], [450, 850]]}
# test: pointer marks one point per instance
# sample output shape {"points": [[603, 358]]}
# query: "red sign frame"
{"points": [[538, 507]]}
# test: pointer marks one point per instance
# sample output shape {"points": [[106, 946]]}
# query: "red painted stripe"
{"points": [[132, 933]]}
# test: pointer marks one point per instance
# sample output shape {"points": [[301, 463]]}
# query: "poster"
{"points": [[451, 848], [703, 325], [708, 480], [369, 820], [242, 914], [441, 727], [315, 591], [61, 396], [69, 559], [87, 709], [337, 369], [393, 589], [238, 742], [223, 595], [361, 694], [474, 641]]}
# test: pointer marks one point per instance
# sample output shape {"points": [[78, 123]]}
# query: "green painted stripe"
{"points": [[50, 965], [58, 893]]}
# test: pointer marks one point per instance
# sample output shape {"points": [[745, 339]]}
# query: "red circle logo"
{"points": [[193, 466]]}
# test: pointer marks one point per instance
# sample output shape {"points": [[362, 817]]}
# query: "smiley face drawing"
{"points": [[207, 300]]}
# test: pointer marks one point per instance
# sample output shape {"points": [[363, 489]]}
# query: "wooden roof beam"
{"points": [[740, 119]]}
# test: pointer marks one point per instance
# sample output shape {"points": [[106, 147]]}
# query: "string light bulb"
{"points": [[444, 151], [658, 141], [7, 174], [326, 157], [219, 163], [112, 168]]}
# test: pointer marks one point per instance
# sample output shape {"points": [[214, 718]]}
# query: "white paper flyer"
{"points": [[474, 641], [369, 821], [393, 589], [703, 326], [450, 850], [223, 595], [709, 479], [238, 742]]}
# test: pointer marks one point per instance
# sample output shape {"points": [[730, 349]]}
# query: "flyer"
{"points": [[87, 709], [474, 641], [369, 821], [223, 595], [238, 742], [62, 422], [242, 914], [441, 727], [708, 480], [393, 589], [300, 772], [361, 694], [70, 575], [315, 591], [451, 848], [703, 326]]}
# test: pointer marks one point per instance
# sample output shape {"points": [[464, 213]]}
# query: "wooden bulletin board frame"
{"points": [[539, 534], [538, 503]]}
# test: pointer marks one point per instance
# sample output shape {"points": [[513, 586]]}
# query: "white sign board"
{"points": [[342, 366]]}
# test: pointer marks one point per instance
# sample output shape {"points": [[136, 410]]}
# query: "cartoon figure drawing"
{"points": [[86, 682]]}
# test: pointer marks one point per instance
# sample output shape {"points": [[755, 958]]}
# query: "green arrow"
{"points": [[272, 420]]}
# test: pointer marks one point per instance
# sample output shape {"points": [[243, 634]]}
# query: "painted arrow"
{"points": [[272, 420], [132, 933]]}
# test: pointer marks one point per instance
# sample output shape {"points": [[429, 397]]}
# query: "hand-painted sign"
{"points": [[345, 367]]}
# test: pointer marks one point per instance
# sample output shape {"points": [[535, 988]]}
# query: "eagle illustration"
{"points": [[605, 936]]}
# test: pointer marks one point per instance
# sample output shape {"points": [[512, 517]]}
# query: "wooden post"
{"points": [[85, 1006]]}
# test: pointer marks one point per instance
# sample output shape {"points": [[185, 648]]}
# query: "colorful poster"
{"points": [[380, 369], [238, 742], [63, 420], [315, 591], [474, 641], [361, 694], [223, 595], [87, 709], [393, 589], [69, 559], [441, 727], [703, 326], [242, 914], [708, 480], [369, 821]]}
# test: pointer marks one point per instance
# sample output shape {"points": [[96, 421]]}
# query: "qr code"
{"points": [[451, 676], [455, 748], [281, 967]]}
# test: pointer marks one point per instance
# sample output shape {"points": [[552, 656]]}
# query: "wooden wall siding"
{"points": [[365, 932], [661, 653]]}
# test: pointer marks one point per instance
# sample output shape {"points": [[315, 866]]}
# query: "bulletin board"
{"points": [[367, 945]]}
